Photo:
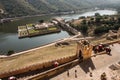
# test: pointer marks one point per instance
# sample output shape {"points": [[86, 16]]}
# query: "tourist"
{"points": [[56, 64], [103, 76], [12, 78], [90, 74], [68, 73], [75, 73]]}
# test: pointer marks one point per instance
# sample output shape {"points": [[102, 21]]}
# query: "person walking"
{"points": [[68, 73], [75, 73]]}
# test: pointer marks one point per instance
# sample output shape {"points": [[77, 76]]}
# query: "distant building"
{"points": [[43, 25], [55, 22]]}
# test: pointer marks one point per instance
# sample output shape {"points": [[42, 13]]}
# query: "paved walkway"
{"points": [[97, 65]]}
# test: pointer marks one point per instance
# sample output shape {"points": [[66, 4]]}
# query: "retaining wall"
{"points": [[43, 65], [47, 74], [37, 66]]}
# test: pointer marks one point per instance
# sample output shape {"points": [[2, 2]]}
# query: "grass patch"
{"points": [[32, 31], [21, 27], [29, 25], [37, 56], [52, 28]]}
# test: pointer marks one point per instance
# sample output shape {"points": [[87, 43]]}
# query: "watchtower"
{"points": [[84, 49]]}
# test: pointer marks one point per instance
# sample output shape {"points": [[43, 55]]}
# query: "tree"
{"points": [[10, 52], [82, 17], [41, 21], [92, 19], [84, 21], [101, 29], [84, 28], [116, 26], [119, 19], [98, 19], [97, 14]]}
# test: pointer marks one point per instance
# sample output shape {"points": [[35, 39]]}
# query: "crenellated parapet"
{"points": [[84, 49]]}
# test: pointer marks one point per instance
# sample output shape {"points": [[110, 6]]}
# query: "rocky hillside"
{"points": [[31, 7]]}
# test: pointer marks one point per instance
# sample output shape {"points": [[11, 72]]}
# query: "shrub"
{"points": [[97, 14], [84, 28], [101, 29], [10, 52]]}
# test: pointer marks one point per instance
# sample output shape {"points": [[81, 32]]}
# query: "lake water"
{"points": [[90, 13], [9, 37]]}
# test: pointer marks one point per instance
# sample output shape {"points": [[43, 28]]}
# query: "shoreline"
{"points": [[43, 46], [60, 13], [53, 43]]}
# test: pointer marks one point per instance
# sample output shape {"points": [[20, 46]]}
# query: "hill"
{"points": [[30, 7]]}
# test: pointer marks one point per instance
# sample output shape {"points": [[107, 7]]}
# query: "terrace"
{"points": [[30, 30]]}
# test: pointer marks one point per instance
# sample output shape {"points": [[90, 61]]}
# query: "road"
{"points": [[97, 65]]}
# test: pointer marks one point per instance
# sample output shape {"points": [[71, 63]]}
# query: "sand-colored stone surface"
{"points": [[36, 56], [97, 65]]}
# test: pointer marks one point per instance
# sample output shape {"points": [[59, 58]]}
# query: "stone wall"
{"points": [[50, 73], [37, 66]]}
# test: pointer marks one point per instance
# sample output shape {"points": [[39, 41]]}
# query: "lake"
{"points": [[90, 13], [9, 38]]}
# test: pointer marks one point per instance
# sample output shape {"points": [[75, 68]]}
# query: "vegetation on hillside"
{"points": [[17, 8], [14, 8], [97, 24]]}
